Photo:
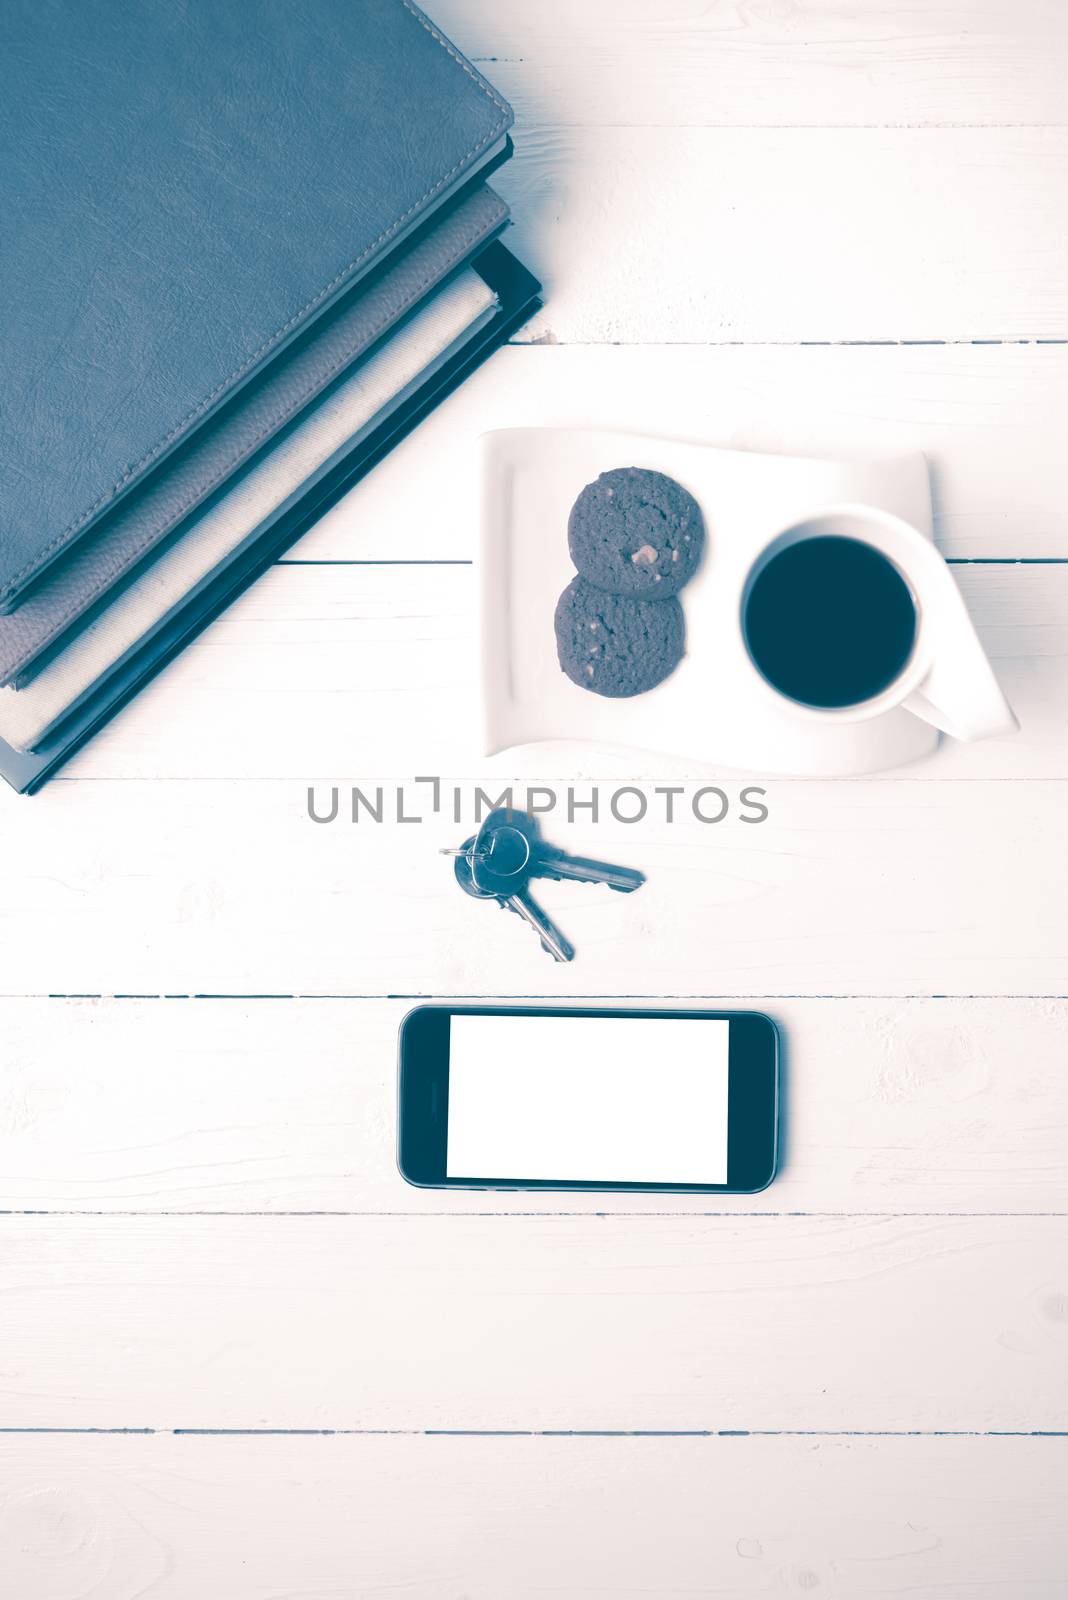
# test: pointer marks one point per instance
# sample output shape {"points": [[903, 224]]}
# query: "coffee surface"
{"points": [[829, 621]]}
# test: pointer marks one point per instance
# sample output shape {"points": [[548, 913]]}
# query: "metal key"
{"points": [[509, 844], [557, 864], [510, 891]]}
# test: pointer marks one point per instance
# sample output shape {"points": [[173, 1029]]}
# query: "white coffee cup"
{"points": [[946, 680]]}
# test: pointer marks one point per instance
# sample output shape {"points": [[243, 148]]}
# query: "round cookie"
{"points": [[636, 532], [614, 645]]}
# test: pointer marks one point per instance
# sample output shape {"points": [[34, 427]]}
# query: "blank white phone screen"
{"points": [[588, 1099]]}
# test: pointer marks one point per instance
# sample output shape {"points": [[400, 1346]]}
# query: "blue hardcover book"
{"points": [[186, 188], [517, 297]]}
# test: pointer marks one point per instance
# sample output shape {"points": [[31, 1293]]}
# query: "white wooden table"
{"points": [[238, 1357]]}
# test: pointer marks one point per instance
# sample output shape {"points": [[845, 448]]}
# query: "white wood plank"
{"points": [[273, 1105], [281, 904], [437, 1519], [988, 418], [535, 1322], [321, 664], [874, 887], [652, 235], [927, 883], [818, 62]]}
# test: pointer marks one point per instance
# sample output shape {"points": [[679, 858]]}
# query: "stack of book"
{"points": [[248, 246]]}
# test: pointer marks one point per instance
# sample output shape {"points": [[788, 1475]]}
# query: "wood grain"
{"points": [[273, 1105], [544, 1323], [988, 418], [320, 667], [875, 887], [733, 64], [721, 198], [577, 1519], [724, 235]]}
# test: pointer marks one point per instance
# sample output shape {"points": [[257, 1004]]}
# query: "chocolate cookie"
{"points": [[615, 645], [636, 532]]}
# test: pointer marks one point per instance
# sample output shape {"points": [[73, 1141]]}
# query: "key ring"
{"points": [[500, 861], [506, 852], [500, 847]]}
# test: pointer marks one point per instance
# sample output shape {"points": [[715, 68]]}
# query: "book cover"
{"points": [[183, 219]]}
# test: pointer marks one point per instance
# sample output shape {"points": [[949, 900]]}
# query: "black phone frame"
{"points": [[423, 1099]]}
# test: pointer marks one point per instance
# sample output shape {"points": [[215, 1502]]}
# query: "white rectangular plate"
{"points": [[706, 711]]}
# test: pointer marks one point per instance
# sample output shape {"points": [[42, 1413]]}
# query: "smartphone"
{"points": [[500, 1098]]}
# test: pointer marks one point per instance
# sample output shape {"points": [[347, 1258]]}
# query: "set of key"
{"points": [[498, 862]]}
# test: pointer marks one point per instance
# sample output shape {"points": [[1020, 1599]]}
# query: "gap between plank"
{"points": [[562, 1433], [417, 561], [770, 344], [515, 994], [448, 561], [600, 1215]]}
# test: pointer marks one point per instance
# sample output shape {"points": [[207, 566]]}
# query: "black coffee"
{"points": [[829, 621]]}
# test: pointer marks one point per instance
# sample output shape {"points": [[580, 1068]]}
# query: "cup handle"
{"points": [[960, 694]]}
